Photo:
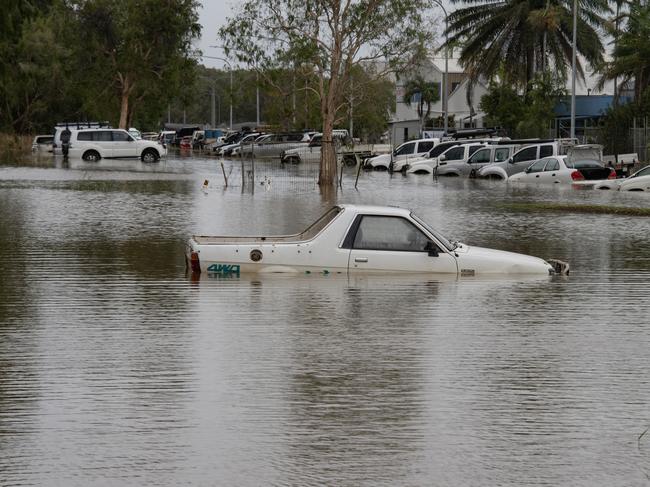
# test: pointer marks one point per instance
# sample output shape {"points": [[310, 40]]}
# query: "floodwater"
{"points": [[118, 369]]}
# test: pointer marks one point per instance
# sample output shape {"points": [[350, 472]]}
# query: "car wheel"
{"points": [[150, 155], [91, 156]]}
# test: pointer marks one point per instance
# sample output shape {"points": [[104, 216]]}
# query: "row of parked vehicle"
{"points": [[494, 157], [288, 147]]}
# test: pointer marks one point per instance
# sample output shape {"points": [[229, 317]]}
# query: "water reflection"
{"points": [[118, 368]]}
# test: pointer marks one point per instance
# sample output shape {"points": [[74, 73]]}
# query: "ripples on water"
{"points": [[116, 368]]}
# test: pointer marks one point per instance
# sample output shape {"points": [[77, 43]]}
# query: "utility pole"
{"points": [[257, 96], [573, 70], [229, 69], [213, 96], [351, 107], [445, 76]]}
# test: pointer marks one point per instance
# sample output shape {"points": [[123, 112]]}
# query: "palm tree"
{"points": [[426, 93], [631, 54], [524, 37]]}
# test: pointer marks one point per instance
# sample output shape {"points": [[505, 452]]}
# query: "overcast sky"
{"points": [[212, 16]]}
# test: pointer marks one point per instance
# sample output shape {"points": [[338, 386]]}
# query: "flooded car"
{"points": [[357, 238]]}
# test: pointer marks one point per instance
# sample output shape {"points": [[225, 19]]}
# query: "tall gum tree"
{"points": [[136, 48], [328, 39]]}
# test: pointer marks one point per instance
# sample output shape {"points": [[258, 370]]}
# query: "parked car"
{"points": [[560, 169], [227, 149], [95, 144], [408, 150], [639, 181], [135, 133], [356, 239], [43, 143], [166, 137], [430, 158], [452, 162], [530, 153], [272, 145]]}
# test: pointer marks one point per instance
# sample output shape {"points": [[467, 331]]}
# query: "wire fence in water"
{"points": [[286, 168]]}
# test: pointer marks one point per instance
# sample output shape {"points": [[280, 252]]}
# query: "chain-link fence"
{"points": [[623, 140], [287, 167]]}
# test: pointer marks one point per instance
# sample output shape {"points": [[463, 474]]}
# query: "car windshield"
{"points": [[642, 172], [450, 246], [584, 164]]}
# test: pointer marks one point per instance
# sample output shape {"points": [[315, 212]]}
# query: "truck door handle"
{"points": [[537, 176], [361, 259]]}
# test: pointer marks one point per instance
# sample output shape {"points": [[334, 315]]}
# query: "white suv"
{"points": [[94, 144]]}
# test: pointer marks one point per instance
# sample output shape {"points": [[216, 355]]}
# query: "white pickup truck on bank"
{"points": [[347, 153]]}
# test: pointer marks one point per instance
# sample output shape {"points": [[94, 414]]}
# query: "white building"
{"points": [[463, 108]]}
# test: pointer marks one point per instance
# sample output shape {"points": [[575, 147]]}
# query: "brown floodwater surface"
{"points": [[116, 368]]}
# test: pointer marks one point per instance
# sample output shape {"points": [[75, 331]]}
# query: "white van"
{"points": [[95, 144]]}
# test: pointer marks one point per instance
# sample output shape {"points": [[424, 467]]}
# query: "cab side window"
{"points": [[425, 146], [455, 153], [406, 149], [552, 165], [480, 157], [538, 166], [501, 154], [545, 151], [389, 233], [527, 154]]}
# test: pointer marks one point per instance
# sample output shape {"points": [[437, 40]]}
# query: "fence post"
{"points": [[253, 168], [223, 170]]}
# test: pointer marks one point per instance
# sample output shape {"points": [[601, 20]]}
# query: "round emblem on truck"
{"points": [[256, 255]]}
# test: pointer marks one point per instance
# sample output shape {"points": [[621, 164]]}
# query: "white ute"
{"points": [[357, 239]]}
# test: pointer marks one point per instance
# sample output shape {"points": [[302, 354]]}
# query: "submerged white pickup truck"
{"points": [[356, 239]]}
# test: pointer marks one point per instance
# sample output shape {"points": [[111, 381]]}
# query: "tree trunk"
{"points": [[124, 110], [124, 107], [327, 174]]}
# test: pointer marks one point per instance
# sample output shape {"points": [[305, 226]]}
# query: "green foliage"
{"points": [[71, 60], [618, 120], [324, 40], [523, 115], [631, 54], [427, 93], [523, 37]]}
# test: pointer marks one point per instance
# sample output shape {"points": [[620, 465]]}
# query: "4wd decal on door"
{"points": [[224, 269]]}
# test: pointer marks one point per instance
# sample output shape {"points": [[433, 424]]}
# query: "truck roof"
{"points": [[376, 209]]}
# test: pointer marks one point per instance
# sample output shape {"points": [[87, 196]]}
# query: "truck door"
{"points": [[380, 243]]}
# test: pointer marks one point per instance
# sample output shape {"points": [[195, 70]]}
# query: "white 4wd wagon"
{"points": [[97, 143]]}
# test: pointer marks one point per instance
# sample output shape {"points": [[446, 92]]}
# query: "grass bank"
{"points": [[572, 208], [14, 146]]}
